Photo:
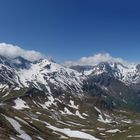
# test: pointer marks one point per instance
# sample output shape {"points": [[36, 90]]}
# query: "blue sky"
{"points": [[71, 29]]}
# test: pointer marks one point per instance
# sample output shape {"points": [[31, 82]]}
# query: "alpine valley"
{"points": [[43, 100]]}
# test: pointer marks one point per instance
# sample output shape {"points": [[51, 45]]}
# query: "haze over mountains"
{"points": [[93, 98]]}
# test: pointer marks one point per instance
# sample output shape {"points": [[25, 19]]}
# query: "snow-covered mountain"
{"points": [[43, 74], [129, 74], [18, 74]]}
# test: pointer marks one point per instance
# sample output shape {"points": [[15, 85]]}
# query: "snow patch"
{"points": [[17, 127], [79, 115], [73, 105], [50, 101], [113, 131], [67, 111], [6, 94], [73, 133], [85, 114], [100, 129], [136, 136], [20, 104], [69, 132], [98, 110], [127, 121], [101, 119]]}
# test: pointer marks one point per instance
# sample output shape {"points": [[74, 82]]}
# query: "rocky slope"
{"points": [[40, 116], [118, 82]]}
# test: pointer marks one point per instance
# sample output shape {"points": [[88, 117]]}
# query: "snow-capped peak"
{"points": [[127, 73], [42, 74]]}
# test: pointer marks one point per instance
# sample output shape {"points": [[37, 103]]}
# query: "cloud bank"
{"points": [[12, 51], [95, 59]]}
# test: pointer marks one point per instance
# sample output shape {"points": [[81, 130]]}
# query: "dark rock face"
{"points": [[138, 67], [20, 62], [81, 69]]}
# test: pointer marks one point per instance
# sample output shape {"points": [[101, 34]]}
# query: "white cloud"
{"points": [[95, 59], [12, 51]]}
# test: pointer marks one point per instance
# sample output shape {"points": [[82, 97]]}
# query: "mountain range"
{"points": [[44, 100]]}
